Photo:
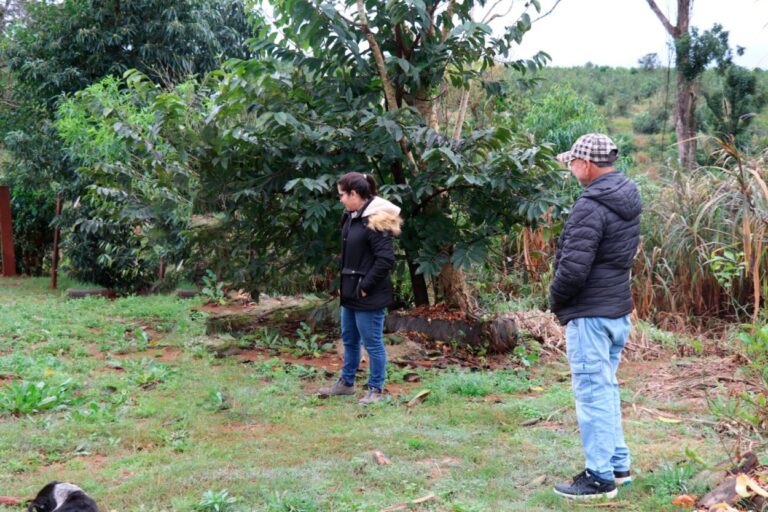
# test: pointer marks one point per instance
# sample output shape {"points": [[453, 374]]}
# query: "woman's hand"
{"points": [[362, 293]]}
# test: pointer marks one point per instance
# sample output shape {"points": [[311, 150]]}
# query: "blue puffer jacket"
{"points": [[595, 251]]}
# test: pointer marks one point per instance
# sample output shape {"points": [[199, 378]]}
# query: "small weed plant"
{"points": [[147, 373], [270, 339], [754, 340], [309, 343], [25, 397], [219, 501], [213, 289]]}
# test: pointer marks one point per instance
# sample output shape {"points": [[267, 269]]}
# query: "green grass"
{"points": [[155, 422]]}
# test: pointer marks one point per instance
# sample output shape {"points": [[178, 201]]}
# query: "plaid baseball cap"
{"points": [[595, 147]]}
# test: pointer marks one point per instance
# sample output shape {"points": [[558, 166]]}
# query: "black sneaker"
{"points": [[586, 486], [622, 477]]}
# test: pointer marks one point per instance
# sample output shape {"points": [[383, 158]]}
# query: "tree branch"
{"points": [[547, 13], [488, 18], [378, 56], [673, 30], [424, 202], [389, 91]]}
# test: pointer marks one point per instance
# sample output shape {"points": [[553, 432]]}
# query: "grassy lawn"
{"points": [[124, 399]]}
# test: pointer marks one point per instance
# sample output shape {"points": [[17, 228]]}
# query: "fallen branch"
{"points": [[407, 505], [11, 500]]}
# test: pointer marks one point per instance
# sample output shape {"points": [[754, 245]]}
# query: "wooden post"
{"points": [[55, 257], [6, 233]]}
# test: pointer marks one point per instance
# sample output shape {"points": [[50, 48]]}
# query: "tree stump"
{"points": [[186, 293], [79, 293]]}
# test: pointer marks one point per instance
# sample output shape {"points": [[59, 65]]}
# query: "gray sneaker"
{"points": [[339, 388], [372, 396]]}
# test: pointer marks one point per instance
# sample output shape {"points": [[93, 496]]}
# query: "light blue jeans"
{"points": [[594, 350], [366, 327]]}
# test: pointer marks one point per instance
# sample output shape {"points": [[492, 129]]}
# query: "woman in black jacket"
{"points": [[368, 226]]}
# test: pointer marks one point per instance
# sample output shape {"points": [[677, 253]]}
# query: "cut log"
{"points": [[502, 334], [79, 293], [437, 329], [723, 493], [497, 335], [737, 487], [315, 313], [713, 476]]}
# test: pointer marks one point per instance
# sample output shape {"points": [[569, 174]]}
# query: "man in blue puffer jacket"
{"points": [[591, 296]]}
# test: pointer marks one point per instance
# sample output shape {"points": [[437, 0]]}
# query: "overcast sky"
{"points": [[619, 32]]}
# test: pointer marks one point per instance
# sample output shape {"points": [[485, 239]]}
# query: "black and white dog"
{"points": [[62, 497]]}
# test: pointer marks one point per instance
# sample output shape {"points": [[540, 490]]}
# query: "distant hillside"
{"points": [[639, 103]]}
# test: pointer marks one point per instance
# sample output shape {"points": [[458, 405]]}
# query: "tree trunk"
{"points": [[462, 113], [453, 287], [685, 122], [685, 112], [419, 284], [427, 107]]}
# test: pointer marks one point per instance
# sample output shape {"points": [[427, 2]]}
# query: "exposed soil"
{"points": [[685, 382], [162, 354]]}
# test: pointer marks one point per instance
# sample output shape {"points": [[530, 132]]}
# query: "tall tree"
{"points": [[692, 54], [685, 110], [412, 51]]}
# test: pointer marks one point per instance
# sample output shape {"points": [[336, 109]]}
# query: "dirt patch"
{"points": [[94, 461], [258, 428], [400, 389], [439, 467], [330, 361], [162, 354], [685, 382]]}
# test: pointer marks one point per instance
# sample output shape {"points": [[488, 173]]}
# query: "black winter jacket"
{"points": [[367, 255], [595, 251]]}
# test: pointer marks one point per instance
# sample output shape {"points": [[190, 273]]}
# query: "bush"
{"points": [[649, 122], [562, 116]]}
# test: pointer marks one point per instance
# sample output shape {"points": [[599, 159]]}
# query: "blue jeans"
{"points": [[366, 327], [594, 350]]}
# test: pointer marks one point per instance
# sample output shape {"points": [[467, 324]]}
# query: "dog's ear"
{"points": [[44, 501]]}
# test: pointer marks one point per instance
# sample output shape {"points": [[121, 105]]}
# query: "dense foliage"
{"points": [[256, 144], [60, 48]]}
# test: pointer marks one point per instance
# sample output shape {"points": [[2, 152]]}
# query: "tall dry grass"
{"points": [[704, 250]]}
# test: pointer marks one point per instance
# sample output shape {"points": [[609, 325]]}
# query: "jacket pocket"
{"points": [[350, 284]]}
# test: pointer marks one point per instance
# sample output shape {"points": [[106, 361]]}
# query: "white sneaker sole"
{"points": [[623, 481], [588, 497]]}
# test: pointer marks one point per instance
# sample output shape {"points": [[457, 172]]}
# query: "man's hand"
{"points": [[362, 293]]}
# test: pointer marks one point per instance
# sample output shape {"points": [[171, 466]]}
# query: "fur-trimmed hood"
{"points": [[383, 216]]}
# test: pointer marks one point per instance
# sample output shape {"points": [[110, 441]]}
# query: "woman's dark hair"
{"points": [[363, 184]]}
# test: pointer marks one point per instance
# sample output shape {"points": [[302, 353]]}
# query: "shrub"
{"points": [[562, 116], [649, 122]]}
